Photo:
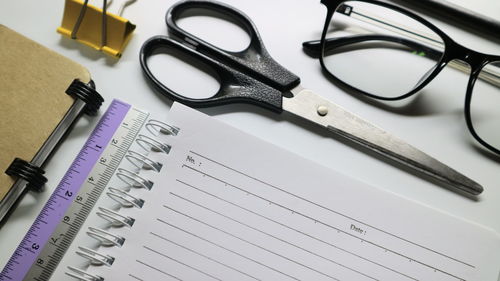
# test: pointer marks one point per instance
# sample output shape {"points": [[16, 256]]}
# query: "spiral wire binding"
{"points": [[115, 218], [105, 237], [155, 127], [133, 179], [148, 143], [95, 257], [142, 161], [124, 199], [82, 274]]}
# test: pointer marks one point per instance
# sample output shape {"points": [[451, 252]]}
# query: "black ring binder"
{"points": [[31, 173], [88, 94], [125, 199], [34, 97]]}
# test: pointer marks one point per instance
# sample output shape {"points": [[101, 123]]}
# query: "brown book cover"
{"points": [[33, 99]]}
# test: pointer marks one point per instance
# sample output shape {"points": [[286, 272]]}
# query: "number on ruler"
{"points": [[68, 193], [32, 251]]}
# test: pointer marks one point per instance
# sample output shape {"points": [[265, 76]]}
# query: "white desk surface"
{"points": [[436, 124]]}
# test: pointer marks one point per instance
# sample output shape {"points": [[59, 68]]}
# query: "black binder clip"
{"points": [[86, 93], [25, 170]]}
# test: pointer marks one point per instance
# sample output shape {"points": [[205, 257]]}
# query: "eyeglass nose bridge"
{"points": [[456, 51]]}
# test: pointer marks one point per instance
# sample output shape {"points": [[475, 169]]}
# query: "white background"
{"points": [[436, 124]]}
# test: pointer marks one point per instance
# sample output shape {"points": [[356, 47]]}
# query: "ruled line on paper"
{"points": [[135, 277], [159, 270], [252, 243], [298, 231], [273, 236], [322, 207], [425, 262], [203, 255], [227, 249], [182, 263], [331, 226]]}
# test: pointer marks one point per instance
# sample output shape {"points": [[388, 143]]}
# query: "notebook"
{"points": [[42, 93], [220, 204]]}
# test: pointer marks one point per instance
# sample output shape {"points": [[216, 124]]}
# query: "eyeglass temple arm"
{"points": [[489, 75], [313, 47]]}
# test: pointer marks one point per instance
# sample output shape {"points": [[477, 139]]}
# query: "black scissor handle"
{"points": [[235, 86], [254, 61]]}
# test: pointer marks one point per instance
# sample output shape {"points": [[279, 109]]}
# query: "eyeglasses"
{"points": [[388, 53]]}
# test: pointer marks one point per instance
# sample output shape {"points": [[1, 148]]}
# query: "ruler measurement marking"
{"points": [[79, 203], [89, 182], [41, 266], [89, 155], [63, 197], [108, 173]]}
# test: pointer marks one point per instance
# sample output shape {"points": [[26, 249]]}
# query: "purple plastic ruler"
{"points": [[47, 240]]}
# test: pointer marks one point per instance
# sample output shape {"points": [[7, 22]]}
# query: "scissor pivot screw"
{"points": [[322, 110]]}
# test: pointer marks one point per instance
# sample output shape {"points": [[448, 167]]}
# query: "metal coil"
{"points": [[150, 144], [124, 198], [115, 218], [133, 179], [155, 127], [106, 238], [82, 275], [142, 161], [95, 257]]}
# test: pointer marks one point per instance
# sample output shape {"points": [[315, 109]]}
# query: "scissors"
{"points": [[253, 76]]}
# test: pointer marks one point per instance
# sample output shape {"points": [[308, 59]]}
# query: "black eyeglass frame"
{"points": [[452, 51]]}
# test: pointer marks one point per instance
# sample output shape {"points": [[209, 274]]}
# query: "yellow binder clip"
{"points": [[96, 27]]}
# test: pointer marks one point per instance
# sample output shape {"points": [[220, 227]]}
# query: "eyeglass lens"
{"points": [[485, 104], [378, 50], [387, 54]]}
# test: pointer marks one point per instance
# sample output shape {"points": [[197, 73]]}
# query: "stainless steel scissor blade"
{"points": [[316, 109]]}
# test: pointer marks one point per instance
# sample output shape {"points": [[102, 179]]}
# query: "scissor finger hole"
{"points": [[183, 74], [215, 28]]}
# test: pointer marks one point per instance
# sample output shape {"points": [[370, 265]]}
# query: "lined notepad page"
{"points": [[228, 206]]}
